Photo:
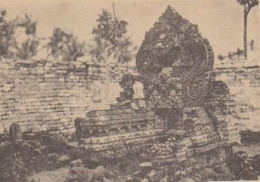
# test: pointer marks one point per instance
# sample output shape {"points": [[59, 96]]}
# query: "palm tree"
{"points": [[7, 34], [28, 48], [248, 5], [66, 45]]}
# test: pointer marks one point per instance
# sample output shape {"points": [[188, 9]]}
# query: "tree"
{"points": [[110, 41], [248, 5], [7, 32], [9, 46], [65, 45], [28, 48]]}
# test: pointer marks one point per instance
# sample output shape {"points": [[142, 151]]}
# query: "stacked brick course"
{"points": [[240, 77], [48, 96]]}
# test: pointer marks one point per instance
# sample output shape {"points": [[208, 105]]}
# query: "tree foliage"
{"points": [[61, 43], [110, 28], [233, 55], [7, 32], [9, 46], [248, 3], [65, 45], [110, 39], [29, 25], [28, 48]]}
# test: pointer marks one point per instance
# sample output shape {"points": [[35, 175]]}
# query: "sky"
{"points": [[220, 21]]}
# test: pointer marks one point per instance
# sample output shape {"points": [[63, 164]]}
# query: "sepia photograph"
{"points": [[129, 91]]}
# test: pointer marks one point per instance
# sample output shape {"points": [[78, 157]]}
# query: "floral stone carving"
{"points": [[175, 43]]}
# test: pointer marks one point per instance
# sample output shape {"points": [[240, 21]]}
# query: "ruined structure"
{"points": [[183, 119], [127, 123]]}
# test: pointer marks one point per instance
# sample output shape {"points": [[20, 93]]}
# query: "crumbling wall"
{"points": [[240, 77], [48, 96], [244, 86]]}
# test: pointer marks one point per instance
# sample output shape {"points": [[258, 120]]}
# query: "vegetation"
{"points": [[247, 5], [7, 31], [110, 39], [65, 45], [110, 42], [9, 46], [232, 55], [28, 48]]}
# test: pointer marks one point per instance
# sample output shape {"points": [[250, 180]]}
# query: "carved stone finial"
{"points": [[176, 43]]}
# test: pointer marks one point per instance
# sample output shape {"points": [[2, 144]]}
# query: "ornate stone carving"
{"points": [[176, 126], [176, 43]]}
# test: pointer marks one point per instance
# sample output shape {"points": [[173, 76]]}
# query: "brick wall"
{"points": [[240, 77], [244, 84], [48, 96]]}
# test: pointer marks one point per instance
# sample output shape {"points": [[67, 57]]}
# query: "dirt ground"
{"points": [[58, 175]]}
